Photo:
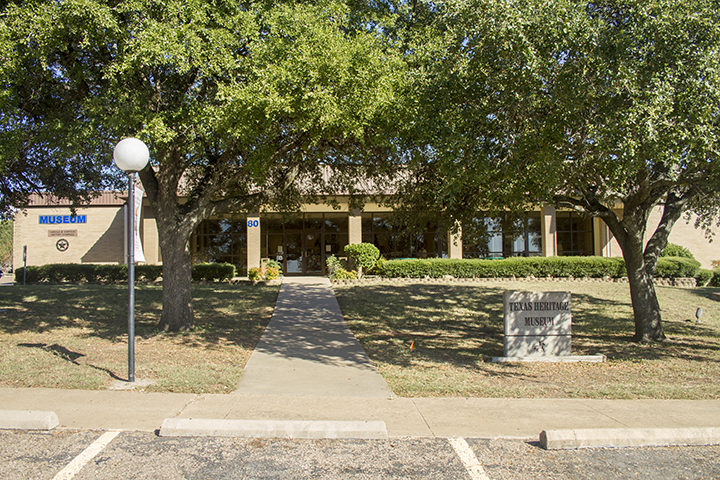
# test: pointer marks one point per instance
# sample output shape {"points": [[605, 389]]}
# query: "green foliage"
{"points": [[271, 273], [715, 281], [255, 274], [6, 244], [379, 267], [676, 267], [603, 107], [594, 267], [271, 263], [363, 255], [244, 101], [74, 273], [149, 273], [673, 250], [92, 273], [332, 265], [703, 277], [213, 271], [342, 274], [578, 267]]}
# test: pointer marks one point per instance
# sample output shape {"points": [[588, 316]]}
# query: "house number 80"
{"points": [[253, 223]]}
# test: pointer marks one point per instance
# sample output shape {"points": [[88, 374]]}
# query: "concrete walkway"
{"points": [[308, 349], [431, 417]]}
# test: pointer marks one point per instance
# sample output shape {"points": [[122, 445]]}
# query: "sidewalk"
{"points": [[438, 417], [308, 349], [309, 367]]}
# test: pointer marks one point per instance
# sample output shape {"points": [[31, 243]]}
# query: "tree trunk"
{"points": [[646, 308], [177, 310]]}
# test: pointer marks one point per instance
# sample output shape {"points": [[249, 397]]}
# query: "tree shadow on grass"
{"points": [[224, 314], [460, 324], [67, 355]]}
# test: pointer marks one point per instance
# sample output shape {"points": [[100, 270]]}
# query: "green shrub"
{"points": [[596, 267], [274, 264], [148, 272], [73, 272], [332, 265], [255, 274], [676, 267], [271, 273], [213, 271], [363, 256], [703, 277], [342, 274], [115, 272], [673, 250], [379, 267], [715, 281]]}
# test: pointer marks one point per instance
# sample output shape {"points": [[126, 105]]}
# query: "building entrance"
{"points": [[302, 245], [303, 253]]}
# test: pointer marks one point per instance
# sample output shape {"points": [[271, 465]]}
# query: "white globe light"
{"points": [[131, 155]]}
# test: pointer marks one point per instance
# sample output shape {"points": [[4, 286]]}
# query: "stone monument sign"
{"points": [[537, 324]]}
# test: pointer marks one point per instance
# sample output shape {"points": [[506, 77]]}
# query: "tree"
{"points": [[6, 245], [48, 142], [607, 108], [244, 105]]}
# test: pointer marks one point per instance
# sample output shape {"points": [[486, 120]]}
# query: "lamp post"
{"points": [[131, 155]]}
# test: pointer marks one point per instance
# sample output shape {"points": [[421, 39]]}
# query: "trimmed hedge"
{"points": [[715, 280], [213, 271], [704, 277], [578, 267], [677, 267], [674, 250], [91, 273]]}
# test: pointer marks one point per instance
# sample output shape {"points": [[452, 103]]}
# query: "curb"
{"points": [[28, 420], [628, 437], [189, 427]]}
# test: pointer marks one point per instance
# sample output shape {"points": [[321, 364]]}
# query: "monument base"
{"points": [[552, 358], [537, 345]]}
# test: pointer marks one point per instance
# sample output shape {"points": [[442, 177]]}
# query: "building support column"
{"points": [[602, 238], [549, 231], [253, 240], [455, 249], [354, 226]]}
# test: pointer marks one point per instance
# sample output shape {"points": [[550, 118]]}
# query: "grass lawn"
{"points": [[455, 327], [75, 336]]}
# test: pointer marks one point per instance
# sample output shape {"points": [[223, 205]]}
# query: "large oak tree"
{"points": [[608, 108], [244, 105]]}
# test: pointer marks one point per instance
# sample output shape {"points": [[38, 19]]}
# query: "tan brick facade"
{"points": [[99, 239], [99, 236]]}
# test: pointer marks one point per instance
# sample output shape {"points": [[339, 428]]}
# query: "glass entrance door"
{"points": [[313, 253], [302, 244], [293, 253]]}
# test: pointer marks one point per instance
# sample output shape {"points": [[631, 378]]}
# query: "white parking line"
{"points": [[74, 467], [468, 458]]}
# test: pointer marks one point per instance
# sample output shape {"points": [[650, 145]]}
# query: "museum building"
{"points": [[47, 231]]}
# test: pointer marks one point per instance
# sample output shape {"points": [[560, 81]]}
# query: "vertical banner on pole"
{"points": [[139, 256]]}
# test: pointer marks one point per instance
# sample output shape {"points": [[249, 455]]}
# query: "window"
{"points": [[426, 239], [221, 240], [501, 237], [574, 234]]}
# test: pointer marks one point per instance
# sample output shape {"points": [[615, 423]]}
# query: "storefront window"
{"points": [[221, 240], [425, 240], [574, 234], [501, 237]]}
